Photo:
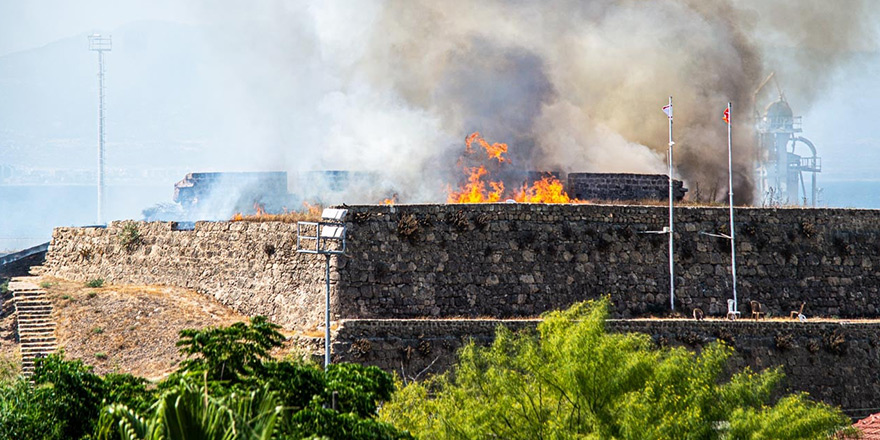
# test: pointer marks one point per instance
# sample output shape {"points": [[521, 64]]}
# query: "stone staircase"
{"points": [[36, 328]]}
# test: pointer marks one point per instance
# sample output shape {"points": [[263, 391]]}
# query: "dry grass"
{"points": [[136, 327], [310, 213]]}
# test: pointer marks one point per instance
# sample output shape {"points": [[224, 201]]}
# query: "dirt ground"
{"points": [[126, 329]]}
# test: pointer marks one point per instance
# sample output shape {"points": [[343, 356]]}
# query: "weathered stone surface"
{"points": [[834, 362], [620, 186], [251, 267], [503, 260], [561, 254]]}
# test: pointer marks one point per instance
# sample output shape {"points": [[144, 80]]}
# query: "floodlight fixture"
{"points": [[334, 214], [326, 237]]}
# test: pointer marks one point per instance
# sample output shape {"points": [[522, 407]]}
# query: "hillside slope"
{"points": [[129, 329]]}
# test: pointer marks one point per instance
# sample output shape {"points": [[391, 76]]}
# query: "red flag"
{"points": [[726, 117]]}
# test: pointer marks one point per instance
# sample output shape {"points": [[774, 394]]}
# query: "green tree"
{"points": [[235, 360], [72, 393], [572, 379], [230, 353]]}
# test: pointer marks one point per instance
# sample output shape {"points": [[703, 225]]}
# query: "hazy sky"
{"points": [[33, 23], [327, 38]]}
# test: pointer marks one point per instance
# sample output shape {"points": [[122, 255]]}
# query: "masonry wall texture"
{"points": [[617, 186], [503, 261], [519, 260], [251, 267], [834, 362]]}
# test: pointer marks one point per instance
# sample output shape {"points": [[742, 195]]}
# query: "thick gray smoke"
{"points": [[570, 85]]}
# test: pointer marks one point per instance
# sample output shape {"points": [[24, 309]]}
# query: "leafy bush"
{"points": [[228, 388], [97, 282], [71, 393], [27, 414], [231, 353], [128, 390], [571, 379]]}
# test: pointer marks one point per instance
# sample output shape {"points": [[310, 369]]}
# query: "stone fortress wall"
{"points": [[419, 279], [502, 261], [251, 267], [620, 186]]}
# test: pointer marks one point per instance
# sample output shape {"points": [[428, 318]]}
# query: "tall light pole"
{"points": [[668, 111], [326, 238], [100, 44]]}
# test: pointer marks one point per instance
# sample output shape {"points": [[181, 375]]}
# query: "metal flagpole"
{"points": [[730, 183], [671, 262]]}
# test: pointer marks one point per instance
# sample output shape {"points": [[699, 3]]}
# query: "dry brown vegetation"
{"points": [[311, 213], [130, 329]]}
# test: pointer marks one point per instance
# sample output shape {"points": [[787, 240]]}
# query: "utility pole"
{"points": [[100, 44]]}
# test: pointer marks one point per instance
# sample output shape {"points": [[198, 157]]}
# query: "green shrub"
{"points": [[572, 379], [97, 330], [92, 294], [71, 393], [97, 282], [100, 355], [130, 236], [45, 284], [4, 286]]}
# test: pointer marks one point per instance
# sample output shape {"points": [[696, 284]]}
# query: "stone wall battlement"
{"points": [[503, 261]]}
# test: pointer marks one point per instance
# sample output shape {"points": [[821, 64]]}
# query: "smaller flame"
{"points": [[547, 190], [391, 201], [310, 209], [475, 190], [259, 209], [493, 151]]}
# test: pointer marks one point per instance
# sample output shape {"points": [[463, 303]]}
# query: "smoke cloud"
{"points": [[395, 86]]}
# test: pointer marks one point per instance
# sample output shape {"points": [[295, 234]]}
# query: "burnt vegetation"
{"points": [[458, 220]]}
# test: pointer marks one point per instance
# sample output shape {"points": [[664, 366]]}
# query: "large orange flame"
{"points": [[481, 189]]}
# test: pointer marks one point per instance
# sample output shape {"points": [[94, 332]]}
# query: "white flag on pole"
{"points": [[668, 110]]}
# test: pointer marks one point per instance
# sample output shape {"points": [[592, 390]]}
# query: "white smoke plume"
{"points": [[395, 86]]}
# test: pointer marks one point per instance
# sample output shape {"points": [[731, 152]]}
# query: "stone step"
{"points": [[34, 309], [36, 328], [31, 298], [40, 320], [38, 347], [34, 352], [39, 340], [34, 319], [40, 302], [35, 325]]}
